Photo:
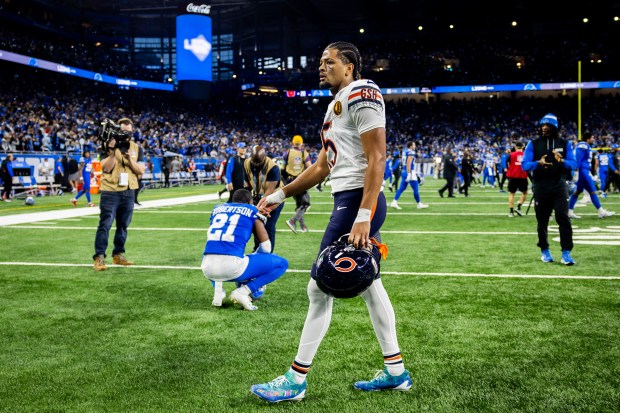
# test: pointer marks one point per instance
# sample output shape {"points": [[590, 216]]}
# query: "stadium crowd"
{"points": [[60, 115]]}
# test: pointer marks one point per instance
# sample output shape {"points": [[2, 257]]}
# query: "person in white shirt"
{"points": [[353, 154]]}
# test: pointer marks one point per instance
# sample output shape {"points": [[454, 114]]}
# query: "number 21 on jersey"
{"points": [[223, 228]]}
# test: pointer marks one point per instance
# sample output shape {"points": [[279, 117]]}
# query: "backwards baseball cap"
{"points": [[550, 119], [298, 140], [241, 145]]}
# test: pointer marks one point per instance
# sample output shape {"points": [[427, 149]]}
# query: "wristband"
{"points": [[276, 198], [363, 215], [264, 247]]}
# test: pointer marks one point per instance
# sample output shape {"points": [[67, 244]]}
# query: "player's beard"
{"points": [[324, 84]]}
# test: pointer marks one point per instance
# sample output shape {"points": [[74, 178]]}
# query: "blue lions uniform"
{"points": [[224, 254], [231, 228], [408, 158], [583, 155], [604, 160], [488, 174], [86, 170], [87, 167]]}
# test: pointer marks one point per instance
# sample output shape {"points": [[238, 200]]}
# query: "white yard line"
{"points": [[284, 230], [430, 274]]}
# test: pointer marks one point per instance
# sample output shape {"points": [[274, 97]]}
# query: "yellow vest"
{"points": [[109, 181], [257, 184], [296, 162]]}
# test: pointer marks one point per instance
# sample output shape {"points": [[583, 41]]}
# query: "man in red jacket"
{"points": [[517, 180]]}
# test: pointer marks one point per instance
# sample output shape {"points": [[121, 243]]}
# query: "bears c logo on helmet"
{"points": [[342, 271], [349, 268]]}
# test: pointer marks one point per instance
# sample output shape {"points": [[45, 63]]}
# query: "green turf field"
{"points": [[483, 324]]}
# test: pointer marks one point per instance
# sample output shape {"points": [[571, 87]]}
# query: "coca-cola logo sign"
{"points": [[198, 8]]}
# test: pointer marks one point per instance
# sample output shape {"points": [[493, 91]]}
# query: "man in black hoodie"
{"points": [[550, 160]]}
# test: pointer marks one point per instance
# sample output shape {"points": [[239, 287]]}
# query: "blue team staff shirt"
{"points": [[230, 229]]}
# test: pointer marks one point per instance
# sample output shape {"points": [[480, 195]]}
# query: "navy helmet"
{"points": [[342, 271], [550, 119]]}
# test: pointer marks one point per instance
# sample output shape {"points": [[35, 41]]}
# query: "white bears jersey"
{"points": [[356, 109]]}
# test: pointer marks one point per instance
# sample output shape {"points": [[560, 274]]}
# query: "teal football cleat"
{"points": [[385, 381], [280, 389]]}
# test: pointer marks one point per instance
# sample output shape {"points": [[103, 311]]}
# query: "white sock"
{"points": [[298, 377], [396, 370], [245, 290]]}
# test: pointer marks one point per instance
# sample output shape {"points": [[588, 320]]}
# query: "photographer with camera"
{"points": [[121, 166], [263, 177]]}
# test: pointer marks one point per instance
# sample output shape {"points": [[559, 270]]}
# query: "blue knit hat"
{"points": [[551, 119]]}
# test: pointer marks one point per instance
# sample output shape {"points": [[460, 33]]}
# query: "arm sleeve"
{"points": [[528, 163]]}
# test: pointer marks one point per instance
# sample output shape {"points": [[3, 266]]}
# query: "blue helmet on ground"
{"points": [[343, 271], [29, 201], [550, 119]]}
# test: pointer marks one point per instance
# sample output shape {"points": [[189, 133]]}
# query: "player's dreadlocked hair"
{"points": [[348, 53]]}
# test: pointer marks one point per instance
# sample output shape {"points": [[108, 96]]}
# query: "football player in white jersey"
{"points": [[353, 152]]}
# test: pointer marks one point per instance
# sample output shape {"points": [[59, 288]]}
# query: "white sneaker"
{"points": [[422, 206], [394, 204], [240, 296], [292, 225], [603, 213], [218, 295], [572, 214]]}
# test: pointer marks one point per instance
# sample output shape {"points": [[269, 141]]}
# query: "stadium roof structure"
{"points": [[318, 21], [283, 29]]}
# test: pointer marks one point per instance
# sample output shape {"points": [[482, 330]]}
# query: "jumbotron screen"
{"points": [[194, 58]]}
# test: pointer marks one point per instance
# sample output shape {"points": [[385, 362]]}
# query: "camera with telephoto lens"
{"points": [[110, 130]]}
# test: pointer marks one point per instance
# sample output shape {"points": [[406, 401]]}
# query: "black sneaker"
{"points": [[518, 212]]}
